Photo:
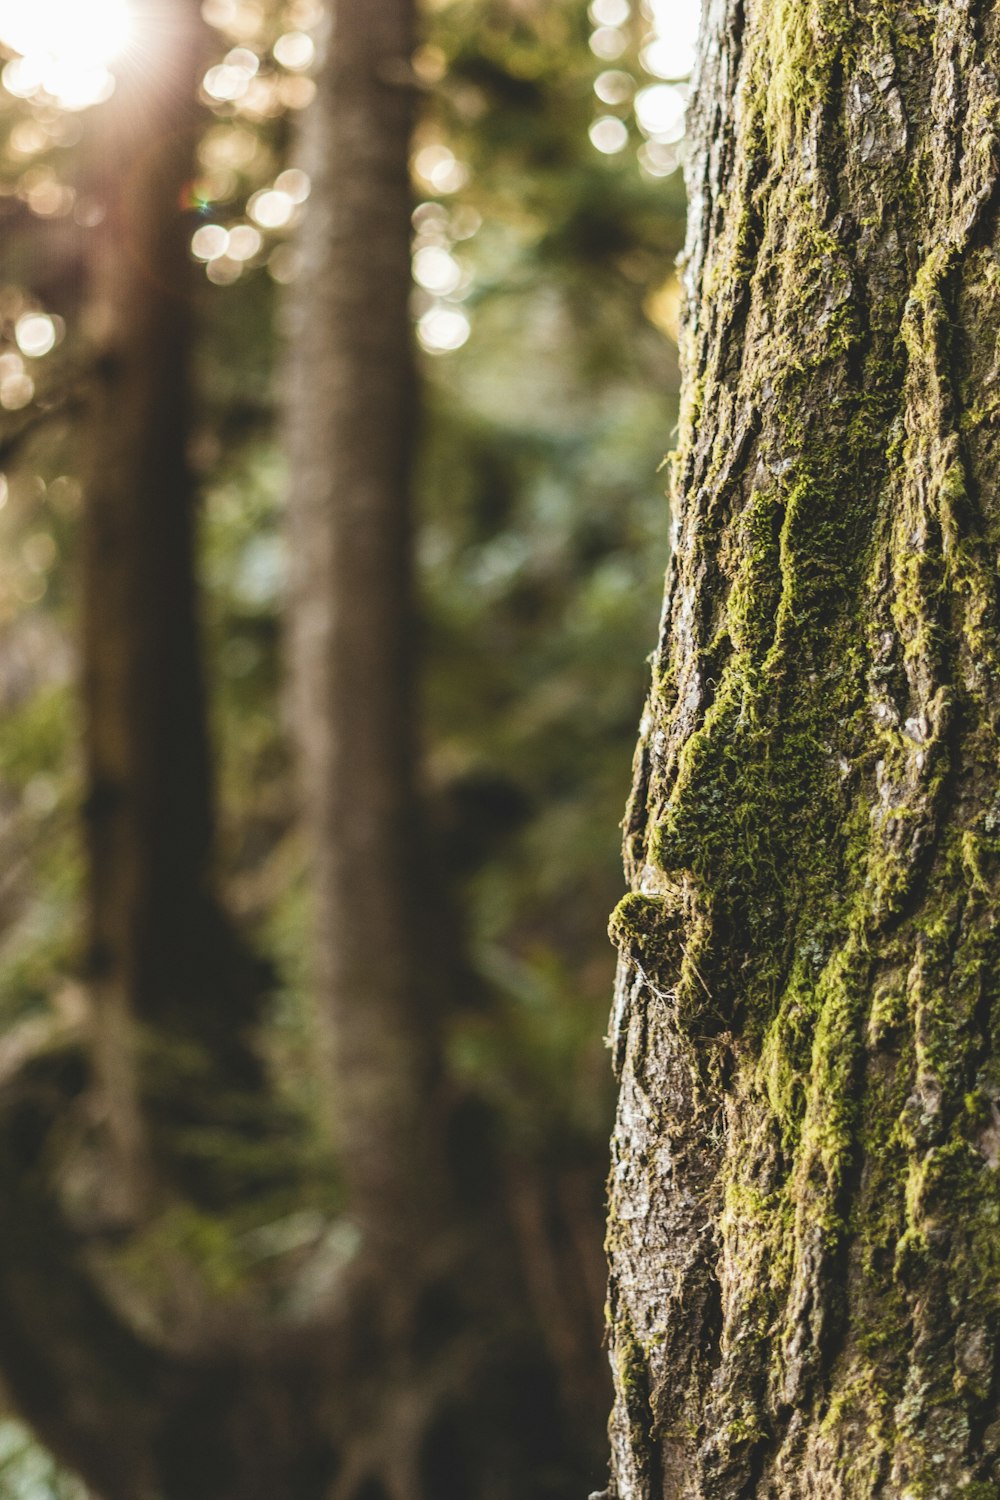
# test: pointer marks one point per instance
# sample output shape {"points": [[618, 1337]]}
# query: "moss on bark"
{"points": [[805, 1200]]}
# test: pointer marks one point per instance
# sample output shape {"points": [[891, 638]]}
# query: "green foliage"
{"points": [[541, 546], [544, 537]]}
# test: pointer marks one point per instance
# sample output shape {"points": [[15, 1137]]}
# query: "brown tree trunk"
{"points": [[160, 954], [804, 1220], [458, 1394], [351, 418], [90, 1125]]}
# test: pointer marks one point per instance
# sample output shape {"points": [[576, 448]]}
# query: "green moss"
{"points": [[649, 926], [632, 1382], [826, 797], [799, 44]]}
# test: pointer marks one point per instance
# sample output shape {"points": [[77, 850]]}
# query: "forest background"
{"points": [[548, 215]]}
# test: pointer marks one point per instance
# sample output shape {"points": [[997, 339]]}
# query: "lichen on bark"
{"points": [[804, 1226]]}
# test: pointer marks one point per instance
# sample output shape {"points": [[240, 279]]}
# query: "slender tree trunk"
{"points": [[351, 407], [160, 954], [805, 1199], [457, 1391], [88, 1125]]}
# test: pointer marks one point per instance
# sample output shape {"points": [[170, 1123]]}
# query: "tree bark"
{"points": [[804, 1228]]}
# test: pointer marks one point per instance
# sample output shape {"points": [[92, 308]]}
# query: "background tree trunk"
{"points": [[805, 1200], [455, 1394], [351, 407], [161, 956], [90, 1123]]}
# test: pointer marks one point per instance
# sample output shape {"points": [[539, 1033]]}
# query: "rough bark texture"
{"points": [[805, 1199]]}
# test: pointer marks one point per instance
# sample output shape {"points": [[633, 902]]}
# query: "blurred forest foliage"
{"points": [[545, 301]]}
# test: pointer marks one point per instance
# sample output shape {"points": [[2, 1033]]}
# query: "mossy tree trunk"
{"points": [[805, 1198]]}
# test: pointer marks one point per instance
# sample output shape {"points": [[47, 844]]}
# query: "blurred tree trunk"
{"points": [[90, 1125], [351, 407], [160, 953], [805, 1200], [102, 1136], [461, 1399]]}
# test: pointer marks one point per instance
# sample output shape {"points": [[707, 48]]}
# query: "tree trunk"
{"points": [[351, 410], [93, 1126], [160, 955], [458, 1393], [804, 1220]]}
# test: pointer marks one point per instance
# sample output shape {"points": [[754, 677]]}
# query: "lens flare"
{"points": [[63, 48]]}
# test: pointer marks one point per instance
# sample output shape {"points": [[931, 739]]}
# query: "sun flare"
{"points": [[63, 49]]}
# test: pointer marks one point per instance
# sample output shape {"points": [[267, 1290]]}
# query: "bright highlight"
{"points": [[64, 48]]}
